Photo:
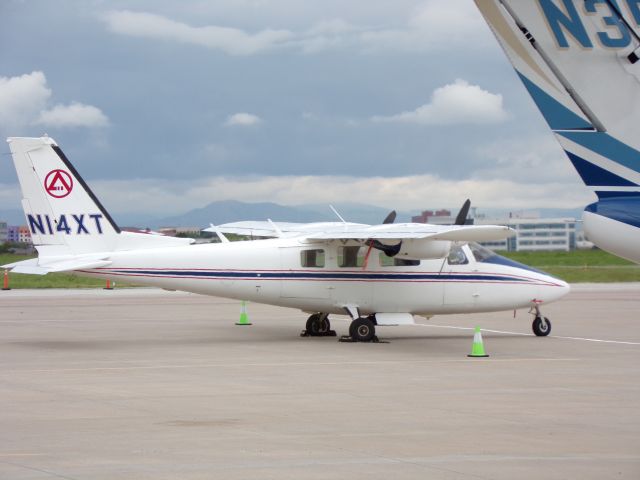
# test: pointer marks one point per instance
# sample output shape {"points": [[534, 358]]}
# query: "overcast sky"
{"points": [[164, 106]]}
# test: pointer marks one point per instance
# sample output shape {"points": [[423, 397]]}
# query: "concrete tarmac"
{"points": [[145, 384]]}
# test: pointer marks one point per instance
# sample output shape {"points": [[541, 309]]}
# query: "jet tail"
{"points": [[579, 62], [69, 226]]}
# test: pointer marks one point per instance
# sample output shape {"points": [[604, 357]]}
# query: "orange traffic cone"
{"points": [[5, 282], [109, 286]]}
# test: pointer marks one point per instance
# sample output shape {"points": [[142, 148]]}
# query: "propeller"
{"points": [[461, 218], [389, 250], [393, 250], [390, 218]]}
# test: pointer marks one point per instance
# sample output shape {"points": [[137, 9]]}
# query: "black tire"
{"points": [[324, 325], [313, 325], [541, 326], [362, 330]]}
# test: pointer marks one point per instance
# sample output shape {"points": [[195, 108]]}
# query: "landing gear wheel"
{"points": [[313, 325], [541, 326], [362, 330], [318, 325]]}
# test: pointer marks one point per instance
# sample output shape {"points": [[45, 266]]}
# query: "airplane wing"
{"points": [[36, 266], [271, 229], [457, 233], [356, 231]]}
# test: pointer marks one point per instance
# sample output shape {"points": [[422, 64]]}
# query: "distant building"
{"points": [[532, 232], [435, 217], [24, 235], [13, 235], [3, 232], [535, 234], [18, 234]]}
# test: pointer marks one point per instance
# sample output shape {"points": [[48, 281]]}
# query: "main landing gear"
{"points": [[318, 325], [541, 325], [362, 329]]}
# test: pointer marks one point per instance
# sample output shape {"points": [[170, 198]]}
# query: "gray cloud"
{"points": [[168, 89], [74, 115], [23, 101], [455, 103], [242, 119], [432, 24], [22, 98], [233, 41]]}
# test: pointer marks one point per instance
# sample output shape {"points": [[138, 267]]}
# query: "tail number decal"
{"points": [[70, 224], [564, 19], [58, 183]]}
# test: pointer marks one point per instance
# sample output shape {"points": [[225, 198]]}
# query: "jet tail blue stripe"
{"points": [[594, 175], [607, 146], [557, 115]]}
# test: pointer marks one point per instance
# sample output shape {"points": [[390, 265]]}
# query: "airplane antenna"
{"points": [[337, 214], [275, 227], [223, 238]]}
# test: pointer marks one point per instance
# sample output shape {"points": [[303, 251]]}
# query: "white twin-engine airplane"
{"points": [[579, 61], [378, 275]]}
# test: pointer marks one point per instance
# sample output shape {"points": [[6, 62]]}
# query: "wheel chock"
{"points": [[330, 333], [349, 339]]}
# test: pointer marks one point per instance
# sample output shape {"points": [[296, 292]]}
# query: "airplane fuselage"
{"points": [[275, 272], [614, 225]]}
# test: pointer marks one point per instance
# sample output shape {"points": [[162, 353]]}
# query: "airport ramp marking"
{"points": [[504, 332]]}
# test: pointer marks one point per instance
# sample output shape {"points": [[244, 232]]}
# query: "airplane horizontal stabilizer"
{"points": [[38, 266]]}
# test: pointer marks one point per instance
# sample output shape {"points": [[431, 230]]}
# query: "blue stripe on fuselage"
{"points": [[355, 276]]}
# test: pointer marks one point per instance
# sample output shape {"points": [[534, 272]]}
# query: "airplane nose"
{"points": [[556, 291]]}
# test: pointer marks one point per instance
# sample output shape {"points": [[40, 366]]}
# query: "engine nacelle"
{"points": [[423, 249]]}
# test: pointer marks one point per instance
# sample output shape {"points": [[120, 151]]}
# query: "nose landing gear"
{"points": [[363, 329], [541, 326]]}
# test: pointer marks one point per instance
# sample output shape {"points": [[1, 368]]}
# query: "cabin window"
{"points": [[386, 261], [352, 256], [457, 256], [312, 258]]}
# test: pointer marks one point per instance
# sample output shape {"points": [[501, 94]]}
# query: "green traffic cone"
{"points": [[478, 348], [244, 318]]}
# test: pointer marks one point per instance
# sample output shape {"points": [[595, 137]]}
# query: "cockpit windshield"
{"points": [[484, 255], [480, 253]]}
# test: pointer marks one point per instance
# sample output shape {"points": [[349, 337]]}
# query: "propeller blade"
{"points": [[389, 250], [390, 218], [462, 214]]}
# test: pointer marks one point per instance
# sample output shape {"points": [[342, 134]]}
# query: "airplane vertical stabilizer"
{"points": [[580, 62], [576, 59], [63, 214]]}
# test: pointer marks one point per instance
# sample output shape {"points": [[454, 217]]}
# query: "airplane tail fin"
{"points": [[579, 62], [64, 216]]}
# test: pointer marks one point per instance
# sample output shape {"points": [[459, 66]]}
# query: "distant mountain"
{"points": [[233, 211], [360, 213]]}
